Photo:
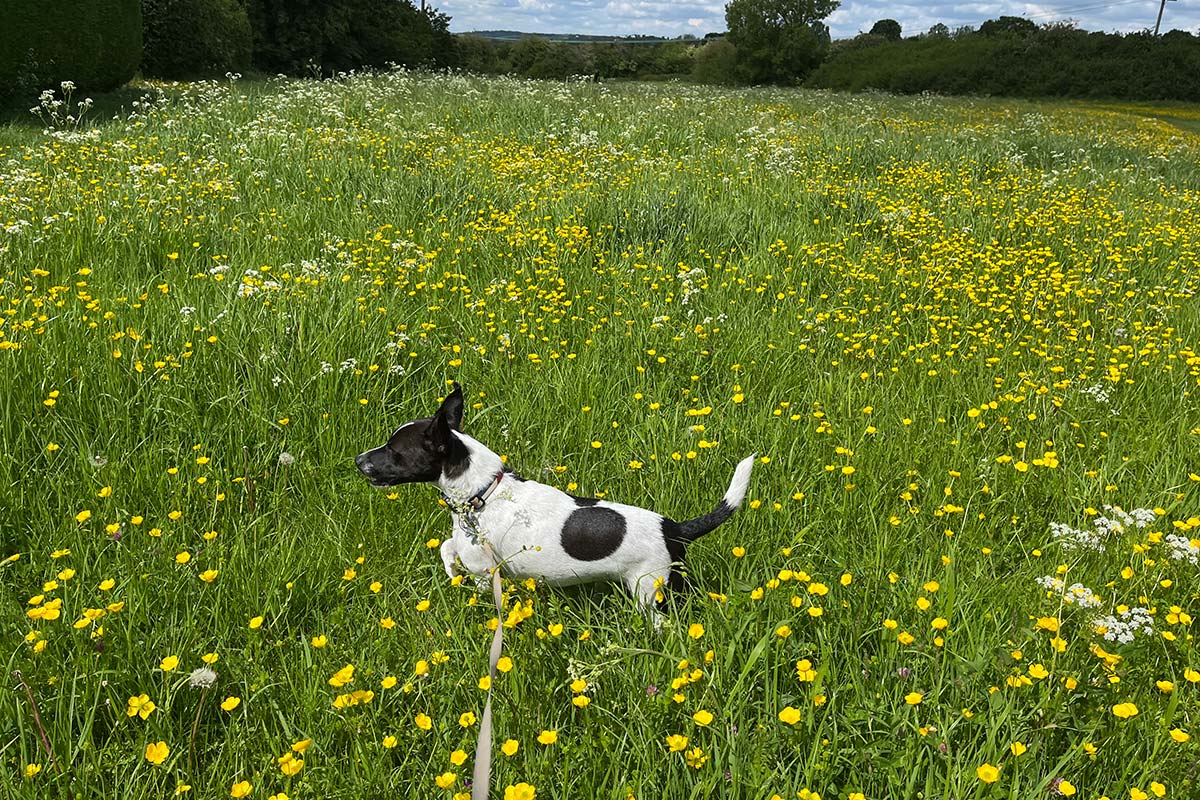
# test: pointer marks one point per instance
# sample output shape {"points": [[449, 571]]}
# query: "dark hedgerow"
{"points": [[95, 44], [194, 38]]}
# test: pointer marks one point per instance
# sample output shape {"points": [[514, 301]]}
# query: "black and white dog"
{"points": [[534, 530]]}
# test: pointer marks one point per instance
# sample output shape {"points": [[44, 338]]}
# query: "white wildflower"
{"points": [[1073, 539], [1080, 595], [1097, 393], [1074, 595], [1051, 583], [1180, 548], [1125, 625]]}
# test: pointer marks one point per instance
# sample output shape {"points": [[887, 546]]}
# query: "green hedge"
{"points": [[97, 44], [194, 38], [1043, 62]]}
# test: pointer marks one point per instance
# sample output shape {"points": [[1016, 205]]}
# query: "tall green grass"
{"points": [[944, 325]]}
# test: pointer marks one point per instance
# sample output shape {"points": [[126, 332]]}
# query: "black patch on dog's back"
{"points": [[591, 534], [585, 502]]}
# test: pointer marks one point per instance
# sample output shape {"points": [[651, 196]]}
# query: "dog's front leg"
{"points": [[449, 557]]}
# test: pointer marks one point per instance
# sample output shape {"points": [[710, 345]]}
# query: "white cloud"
{"points": [[664, 18]]}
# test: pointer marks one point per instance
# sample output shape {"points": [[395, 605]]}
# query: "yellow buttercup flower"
{"points": [[157, 752], [1125, 710], [520, 791], [140, 706], [789, 715]]}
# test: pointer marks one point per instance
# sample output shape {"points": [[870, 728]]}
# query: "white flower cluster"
{"points": [[1074, 595], [687, 288], [1125, 625], [1073, 539], [1118, 519], [1097, 393], [1116, 522], [1180, 548]]}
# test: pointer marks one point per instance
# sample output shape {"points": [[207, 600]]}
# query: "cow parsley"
{"points": [[1074, 595], [1073, 539], [1125, 625], [1180, 548]]}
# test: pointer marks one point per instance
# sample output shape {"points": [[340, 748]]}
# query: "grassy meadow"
{"points": [[961, 336]]}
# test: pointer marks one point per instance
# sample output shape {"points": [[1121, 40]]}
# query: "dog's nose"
{"points": [[363, 463]]}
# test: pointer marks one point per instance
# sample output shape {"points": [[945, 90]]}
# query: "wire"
{"points": [[1067, 11]]}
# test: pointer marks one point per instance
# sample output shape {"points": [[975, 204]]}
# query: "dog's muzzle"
{"points": [[363, 462]]}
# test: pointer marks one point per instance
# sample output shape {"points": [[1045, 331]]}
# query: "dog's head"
{"points": [[421, 450]]}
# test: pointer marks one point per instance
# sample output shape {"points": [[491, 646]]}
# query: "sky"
{"points": [[666, 18]]}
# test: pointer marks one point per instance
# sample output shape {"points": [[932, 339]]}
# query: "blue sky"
{"points": [[665, 18]]}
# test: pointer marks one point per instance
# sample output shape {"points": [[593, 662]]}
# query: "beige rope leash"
{"points": [[481, 779]]}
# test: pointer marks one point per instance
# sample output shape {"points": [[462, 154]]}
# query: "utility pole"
{"points": [[1158, 22]]}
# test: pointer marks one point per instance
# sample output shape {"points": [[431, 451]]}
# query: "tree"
{"points": [[887, 28], [716, 62], [301, 36], [477, 54], [1018, 26], [95, 44], [194, 38], [536, 57], [778, 41], [939, 31]]}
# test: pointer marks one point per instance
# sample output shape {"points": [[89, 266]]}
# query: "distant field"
{"points": [[962, 336]]}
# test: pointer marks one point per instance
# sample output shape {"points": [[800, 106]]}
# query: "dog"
{"points": [[530, 529]]}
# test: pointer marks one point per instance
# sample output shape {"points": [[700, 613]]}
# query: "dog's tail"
{"points": [[695, 528]]}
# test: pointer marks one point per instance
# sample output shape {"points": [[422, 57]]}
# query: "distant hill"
{"points": [[512, 36]]}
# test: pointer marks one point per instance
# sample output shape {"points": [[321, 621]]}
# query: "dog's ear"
{"points": [[447, 418], [452, 407]]}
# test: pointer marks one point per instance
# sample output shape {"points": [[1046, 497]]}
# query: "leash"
{"points": [[481, 779]]}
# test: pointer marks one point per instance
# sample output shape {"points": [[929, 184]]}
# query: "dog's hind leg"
{"points": [[649, 589]]}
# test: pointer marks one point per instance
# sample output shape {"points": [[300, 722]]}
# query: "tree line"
{"points": [[1013, 57], [785, 42], [100, 44]]}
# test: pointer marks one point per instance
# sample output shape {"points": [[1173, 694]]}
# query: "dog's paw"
{"points": [[450, 559]]}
